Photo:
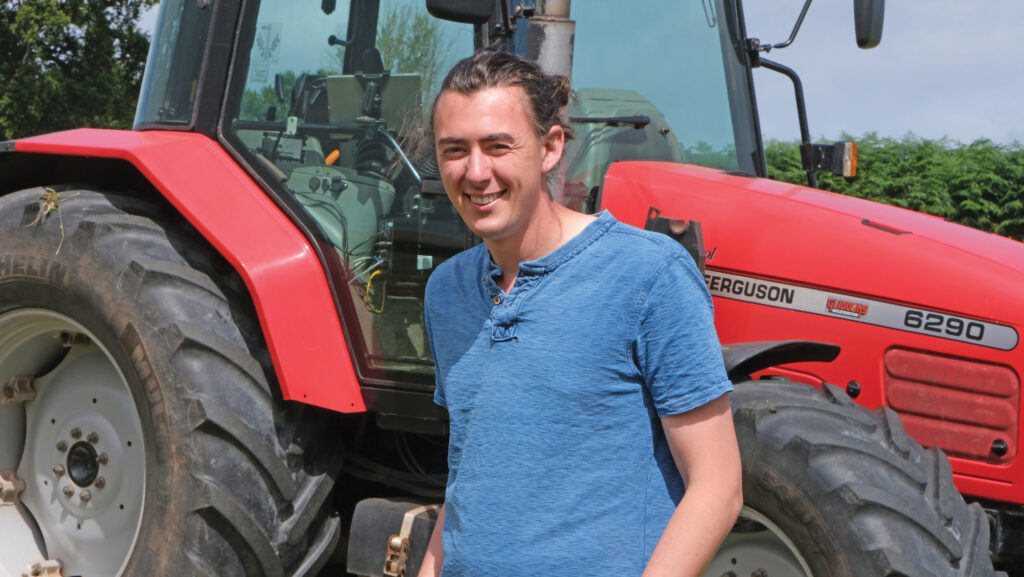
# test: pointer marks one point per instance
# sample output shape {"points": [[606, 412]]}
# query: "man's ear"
{"points": [[553, 145]]}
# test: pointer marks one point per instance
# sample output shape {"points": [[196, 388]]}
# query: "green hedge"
{"points": [[980, 184]]}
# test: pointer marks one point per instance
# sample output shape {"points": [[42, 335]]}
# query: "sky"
{"points": [[944, 68]]}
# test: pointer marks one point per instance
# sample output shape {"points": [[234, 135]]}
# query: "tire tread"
{"points": [[884, 495], [183, 315]]}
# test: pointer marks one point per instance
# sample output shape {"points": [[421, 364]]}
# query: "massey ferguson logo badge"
{"points": [[846, 308]]}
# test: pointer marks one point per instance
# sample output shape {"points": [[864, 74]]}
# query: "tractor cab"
{"points": [[326, 105]]}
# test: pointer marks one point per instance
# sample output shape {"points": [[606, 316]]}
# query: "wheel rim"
{"points": [[81, 453], [756, 546]]}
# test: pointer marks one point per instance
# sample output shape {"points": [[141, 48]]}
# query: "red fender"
{"points": [[279, 267]]}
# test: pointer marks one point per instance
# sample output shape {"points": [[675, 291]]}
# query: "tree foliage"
{"points": [[980, 184], [69, 63], [705, 154], [256, 104], [411, 41]]}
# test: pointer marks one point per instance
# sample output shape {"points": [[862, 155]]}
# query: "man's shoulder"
{"points": [[643, 247], [629, 233]]}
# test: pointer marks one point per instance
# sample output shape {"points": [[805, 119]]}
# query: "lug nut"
{"points": [[100, 482], [76, 433], [62, 446], [58, 470], [69, 491], [85, 496], [102, 458], [93, 438]]}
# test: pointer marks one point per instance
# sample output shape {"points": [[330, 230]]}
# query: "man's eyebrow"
{"points": [[496, 137], [499, 137]]}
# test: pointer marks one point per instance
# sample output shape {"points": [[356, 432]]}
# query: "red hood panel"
{"points": [[825, 240]]}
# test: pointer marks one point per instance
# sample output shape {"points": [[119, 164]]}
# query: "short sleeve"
{"points": [[677, 350]]}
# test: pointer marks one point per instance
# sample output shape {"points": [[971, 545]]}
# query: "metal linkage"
{"points": [[47, 568], [10, 488], [19, 389]]}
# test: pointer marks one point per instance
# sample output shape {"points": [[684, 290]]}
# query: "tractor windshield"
{"points": [[330, 110], [679, 64]]}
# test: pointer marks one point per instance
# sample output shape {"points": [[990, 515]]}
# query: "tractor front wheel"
{"points": [[140, 432], [833, 490]]}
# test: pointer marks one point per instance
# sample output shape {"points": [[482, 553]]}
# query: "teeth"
{"points": [[483, 199]]}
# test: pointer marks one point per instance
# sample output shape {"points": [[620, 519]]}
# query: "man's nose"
{"points": [[479, 169]]}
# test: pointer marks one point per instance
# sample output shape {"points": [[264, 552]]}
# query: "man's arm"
{"points": [[431, 566], [703, 443]]}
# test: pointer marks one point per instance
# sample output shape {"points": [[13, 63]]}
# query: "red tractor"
{"points": [[212, 353]]}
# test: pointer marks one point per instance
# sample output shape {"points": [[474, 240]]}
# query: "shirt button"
{"points": [[497, 300]]}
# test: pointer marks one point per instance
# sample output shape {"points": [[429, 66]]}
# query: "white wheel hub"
{"points": [[81, 450]]}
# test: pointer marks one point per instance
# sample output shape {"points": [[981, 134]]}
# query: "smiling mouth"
{"points": [[482, 199]]}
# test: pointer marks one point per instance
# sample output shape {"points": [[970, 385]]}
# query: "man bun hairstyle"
{"points": [[548, 95]]}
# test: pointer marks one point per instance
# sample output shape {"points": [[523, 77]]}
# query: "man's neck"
{"points": [[553, 226]]}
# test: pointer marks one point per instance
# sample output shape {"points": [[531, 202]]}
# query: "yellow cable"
{"points": [[383, 294]]}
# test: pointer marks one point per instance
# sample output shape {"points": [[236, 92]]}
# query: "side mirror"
{"points": [[867, 17], [466, 11], [839, 158]]}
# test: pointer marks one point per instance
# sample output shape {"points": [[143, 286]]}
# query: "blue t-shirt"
{"points": [[557, 460]]}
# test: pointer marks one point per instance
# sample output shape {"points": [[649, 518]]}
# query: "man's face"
{"points": [[492, 162]]}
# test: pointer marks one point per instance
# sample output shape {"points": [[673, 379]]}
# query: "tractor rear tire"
{"points": [[832, 489], [152, 440]]}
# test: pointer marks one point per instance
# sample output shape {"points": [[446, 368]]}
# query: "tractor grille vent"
{"points": [[966, 408]]}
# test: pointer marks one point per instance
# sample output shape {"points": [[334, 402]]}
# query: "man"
{"points": [[577, 359]]}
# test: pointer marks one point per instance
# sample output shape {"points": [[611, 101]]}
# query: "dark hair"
{"points": [[547, 94]]}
